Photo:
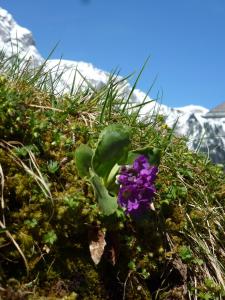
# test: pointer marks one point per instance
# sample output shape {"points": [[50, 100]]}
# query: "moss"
{"points": [[50, 212]]}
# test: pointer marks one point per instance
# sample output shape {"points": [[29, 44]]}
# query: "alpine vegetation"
{"points": [[204, 131], [97, 204]]}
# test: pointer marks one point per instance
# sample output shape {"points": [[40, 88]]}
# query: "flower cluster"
{"points": [[137, 187]]}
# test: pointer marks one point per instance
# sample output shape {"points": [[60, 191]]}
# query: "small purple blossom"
{"points": [[137, 187]]}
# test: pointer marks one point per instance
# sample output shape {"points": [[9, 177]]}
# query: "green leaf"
{"points": [[132, 265], [185, 253], [112, 175], [53, 167], [153, 154], [83, 156], [31, 223], [112, 148], [50, 237], [107, 204], [71, 202], [131, 157]]}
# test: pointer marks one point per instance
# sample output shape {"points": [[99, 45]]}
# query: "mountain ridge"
{"points": [[206, 135]]}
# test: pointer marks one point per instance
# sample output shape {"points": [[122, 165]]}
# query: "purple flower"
{"points": [[137, 187]]}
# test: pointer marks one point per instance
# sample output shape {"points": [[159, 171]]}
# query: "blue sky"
{"points": [[184, 38]]}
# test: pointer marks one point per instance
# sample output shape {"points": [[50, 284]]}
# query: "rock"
{"points": [[205, 133]]}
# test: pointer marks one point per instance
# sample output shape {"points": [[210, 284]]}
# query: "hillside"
{"points": [[205, 135], [99, 204]]}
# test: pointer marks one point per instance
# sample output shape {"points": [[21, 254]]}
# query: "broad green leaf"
{"points": [[153, 154], [83, 156], [112, 148], [107, 203]]}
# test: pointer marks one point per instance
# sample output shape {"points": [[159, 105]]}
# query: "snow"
{"points": [[80, 71], [192, 109], [206, 135], [14, 38]]}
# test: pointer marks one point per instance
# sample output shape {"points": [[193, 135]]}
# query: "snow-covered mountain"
{"points": [[204, 134], [14, 38]]}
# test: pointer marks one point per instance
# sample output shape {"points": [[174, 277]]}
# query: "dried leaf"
{"points": [[152, 207], [97, 244]]}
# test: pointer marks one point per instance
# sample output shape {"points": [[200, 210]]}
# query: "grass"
{"points": [[49, 216]]}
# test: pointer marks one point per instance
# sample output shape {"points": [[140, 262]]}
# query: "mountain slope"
{"points": [[14, 38], [206, 135]]}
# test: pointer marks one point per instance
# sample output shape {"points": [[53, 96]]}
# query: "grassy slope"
{"points": [[48, 214]]}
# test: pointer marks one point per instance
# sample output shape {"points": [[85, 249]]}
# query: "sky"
{"points": [[185, 40]]}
